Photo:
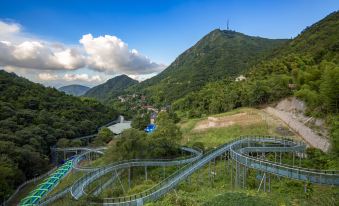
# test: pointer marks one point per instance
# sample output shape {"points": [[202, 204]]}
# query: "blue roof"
{"points": [[150, 128]]}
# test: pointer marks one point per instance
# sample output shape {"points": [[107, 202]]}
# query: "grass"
{"points": [[215, 136]]}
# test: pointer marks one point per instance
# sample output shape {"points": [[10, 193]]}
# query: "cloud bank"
{"points": [[110, 54], [107, 54]]}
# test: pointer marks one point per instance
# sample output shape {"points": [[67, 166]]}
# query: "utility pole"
{"points": [[228, 28]]}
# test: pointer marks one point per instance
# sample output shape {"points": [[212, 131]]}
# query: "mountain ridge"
{"points": [[111, 88], [74, 89], [219, 54]]}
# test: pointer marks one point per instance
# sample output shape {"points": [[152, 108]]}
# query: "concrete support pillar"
{"points": [[209, 171], [236, 174], [232, 174], [264, 182], [244, 177], [129, 178], [164, 172]]}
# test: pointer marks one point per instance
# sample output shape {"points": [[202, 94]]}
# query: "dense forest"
{"points": [[32, 119], [306, 67], [218, 55]]}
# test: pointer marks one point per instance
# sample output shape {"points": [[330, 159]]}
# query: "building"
{"points": [[118, 128]]}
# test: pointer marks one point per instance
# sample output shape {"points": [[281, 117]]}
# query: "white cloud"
{"points": [[47, 76], [82, 77], [9, 28], [142, 77], [38, 55], [70, 77], [28, 55], [111, 55], [35, 53]]}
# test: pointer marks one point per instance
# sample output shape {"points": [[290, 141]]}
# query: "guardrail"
{"points": [[78, 186], [27, 182], [35, 196], [297, 173], [239, 150], [233, 147]]}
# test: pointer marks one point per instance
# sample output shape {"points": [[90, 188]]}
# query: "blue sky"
{"points": [[160, 30]]}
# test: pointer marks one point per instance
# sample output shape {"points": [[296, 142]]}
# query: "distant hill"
{"points": [[74, 89], [111, 88], [218, 55]]}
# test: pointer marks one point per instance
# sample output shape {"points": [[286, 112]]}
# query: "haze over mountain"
{"points": [[74, 89], [219, 54], [111, 88]]}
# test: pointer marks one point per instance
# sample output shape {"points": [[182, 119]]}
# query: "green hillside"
{"points": [[110, 89], [217, 55], [306, 67], [33, 118], [319, 40]]}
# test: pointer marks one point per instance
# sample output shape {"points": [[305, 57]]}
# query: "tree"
{"points": [[329, 89], [140, 121], [132, 144], [165, 139], [63, 142], [103, 137]]}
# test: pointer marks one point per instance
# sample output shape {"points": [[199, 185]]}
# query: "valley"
{"points": [[235, 119]]}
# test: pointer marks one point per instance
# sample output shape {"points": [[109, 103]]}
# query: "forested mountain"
{"points": [[112, 88], [33, 118], [319, 40], [307, 67], [218, 55], [74, 89]]}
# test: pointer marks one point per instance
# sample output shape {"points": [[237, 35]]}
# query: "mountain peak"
{"points": [[219, 54], [111, 88]]}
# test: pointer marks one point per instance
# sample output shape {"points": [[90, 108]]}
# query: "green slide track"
{"points": [[35, 196]]}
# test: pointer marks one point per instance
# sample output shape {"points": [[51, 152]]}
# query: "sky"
{"points": [[59, 42]]}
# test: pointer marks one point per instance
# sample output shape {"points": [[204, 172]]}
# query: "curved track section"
{"points": [[77, 189], [239, 149], [238, 153]]}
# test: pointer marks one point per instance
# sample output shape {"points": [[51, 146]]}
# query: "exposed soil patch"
{"points": [[242, 118]]}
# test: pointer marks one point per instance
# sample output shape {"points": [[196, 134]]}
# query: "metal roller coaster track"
{"points": [[238, 150]]}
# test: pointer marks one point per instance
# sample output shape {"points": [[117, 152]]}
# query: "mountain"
{"points": [[74, 89], [319, 40], [111, 88], [220, 54], [306, 67], [32, 119]]}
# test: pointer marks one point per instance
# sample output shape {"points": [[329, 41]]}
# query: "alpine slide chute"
{"points": [[243, 153]]}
